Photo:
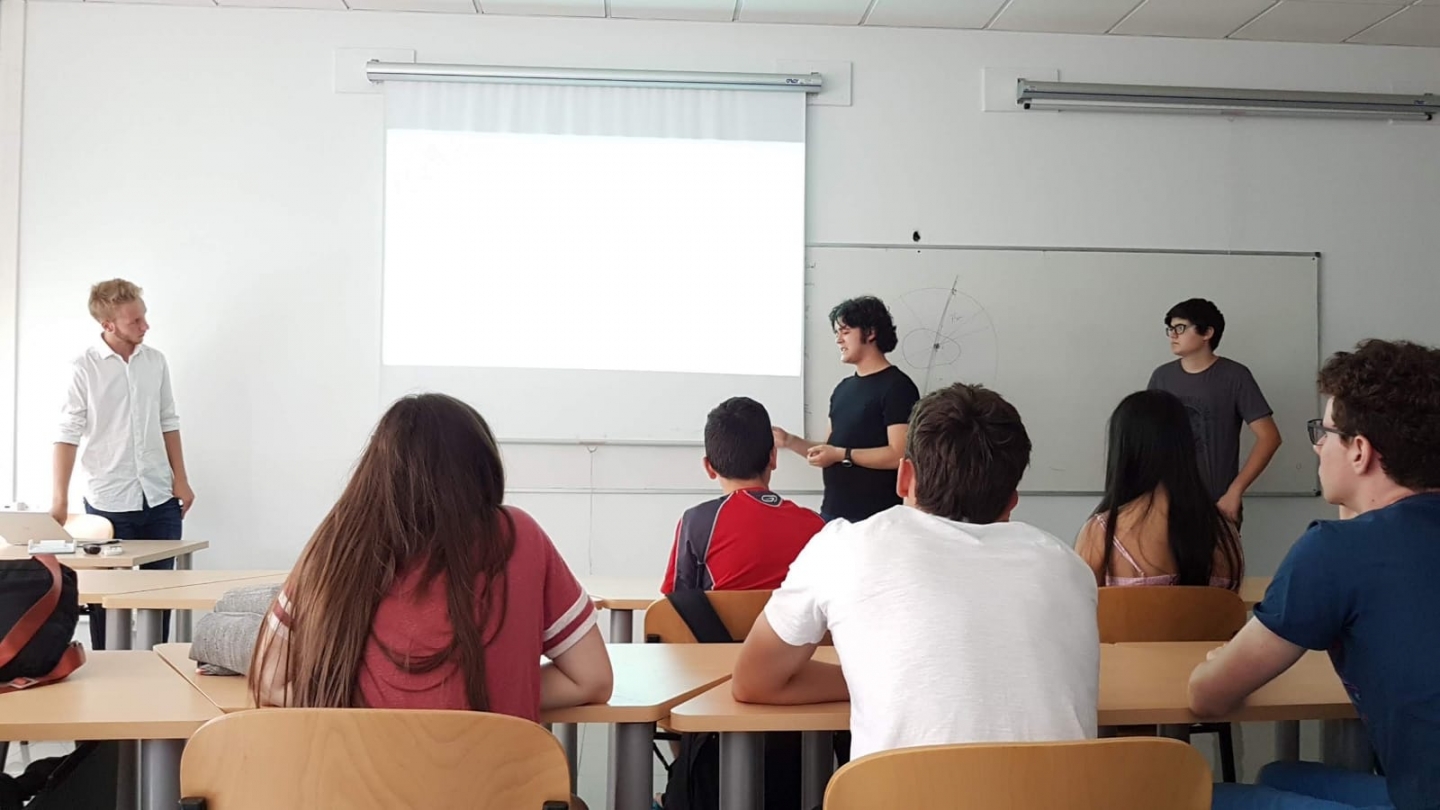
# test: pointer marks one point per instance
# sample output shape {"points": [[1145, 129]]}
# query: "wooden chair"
{"points": [[737, 609], [371, 758], [1176, 613], [1126, 774], [1169, 613], [89, 527]]}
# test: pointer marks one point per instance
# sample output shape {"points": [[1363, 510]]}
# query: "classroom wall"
{"points": [[204, 153]]}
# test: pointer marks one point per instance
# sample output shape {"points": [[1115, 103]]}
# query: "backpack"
{"points": [[39, 608], [693, 781]]}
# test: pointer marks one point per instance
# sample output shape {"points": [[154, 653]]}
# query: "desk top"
{"points": [[201, 596], [651, 678], [116, 695], [135, 552], [1252, 590], [622, 593], [1140, 684], [96, 584], [1148, 683], [229, 693]]}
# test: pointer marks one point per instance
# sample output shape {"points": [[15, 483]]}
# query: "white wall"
{"points": [[203, 153]]}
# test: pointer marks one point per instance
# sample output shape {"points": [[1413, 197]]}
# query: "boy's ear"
{"points": [[710, 471], [774, 451]]}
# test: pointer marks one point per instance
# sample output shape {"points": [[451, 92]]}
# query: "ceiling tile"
{"points": [[1065, 16], [705, 10], [544, 8], [1305, 21], [821, 12], [325, 5], [934, 13], [1211, 19], [1417, 25], [441, 6], [162, 2]]}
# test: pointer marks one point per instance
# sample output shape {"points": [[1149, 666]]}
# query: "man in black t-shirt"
{"points": [[868, 416]]}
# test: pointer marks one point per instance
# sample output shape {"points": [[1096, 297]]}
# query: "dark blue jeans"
{"points": [[1305, 786], [149, 523]]}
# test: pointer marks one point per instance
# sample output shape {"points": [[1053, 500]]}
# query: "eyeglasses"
{"points": [[1177, 330], [1317, 430]]}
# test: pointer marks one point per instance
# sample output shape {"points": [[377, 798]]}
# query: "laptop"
{"points": [[19, 528]]}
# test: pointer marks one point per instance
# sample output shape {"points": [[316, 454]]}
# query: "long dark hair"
{"points": [[427, 491], [1151, 446]]}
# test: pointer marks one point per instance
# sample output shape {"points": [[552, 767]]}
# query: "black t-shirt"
{"points": [[861, 411]]}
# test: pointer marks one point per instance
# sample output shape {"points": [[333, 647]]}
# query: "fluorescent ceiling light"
{"points": [[1222, 101]]}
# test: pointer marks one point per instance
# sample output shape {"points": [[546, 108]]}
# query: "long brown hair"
{"points": [[427, 491]]}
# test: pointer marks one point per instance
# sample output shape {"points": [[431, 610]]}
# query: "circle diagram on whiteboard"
{"points": [[946, 337]]}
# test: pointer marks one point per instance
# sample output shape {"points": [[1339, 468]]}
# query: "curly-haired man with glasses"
{"points": [[1364, 589]]}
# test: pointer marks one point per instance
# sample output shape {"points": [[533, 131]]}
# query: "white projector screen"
{"points": [[594, 287]]}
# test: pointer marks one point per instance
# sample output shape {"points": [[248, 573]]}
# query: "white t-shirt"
{"points": [[949, 632]]}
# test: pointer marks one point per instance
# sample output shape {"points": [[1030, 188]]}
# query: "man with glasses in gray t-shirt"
{"points": [[1220, 395]]}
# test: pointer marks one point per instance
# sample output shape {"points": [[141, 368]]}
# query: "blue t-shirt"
{"points": [[1368, 591]]}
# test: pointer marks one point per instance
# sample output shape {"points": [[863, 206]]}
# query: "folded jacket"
{"points": [[226, 640], [247, 599]]}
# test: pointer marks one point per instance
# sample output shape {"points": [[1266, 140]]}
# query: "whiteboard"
{"points": [[1065, 335]]}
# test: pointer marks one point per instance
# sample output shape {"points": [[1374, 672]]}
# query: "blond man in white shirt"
{"points": [[952, 623], [120, 406]]}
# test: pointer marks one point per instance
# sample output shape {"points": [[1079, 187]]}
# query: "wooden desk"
{"points": [[622, 596], [228, 693], [196, 596], [97, 584], [1146, 684], [1140, 684], [649, 680], [117, 696], [135, 552], [1252, 590], [150, 605]]}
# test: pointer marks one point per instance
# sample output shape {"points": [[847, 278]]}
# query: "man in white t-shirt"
{"points": [[952, 624]]}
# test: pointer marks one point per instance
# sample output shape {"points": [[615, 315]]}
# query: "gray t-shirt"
{"points": [[1220, 400]]}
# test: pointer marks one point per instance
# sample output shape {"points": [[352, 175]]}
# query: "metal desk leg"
{"points": [[183, 618], [160, 780], [817, 763], [117, 629], [622, 626], [742, 770], [148, 624], [1287, 740], [569, 736], [127, 787], [630, 759], [1176, 731]]}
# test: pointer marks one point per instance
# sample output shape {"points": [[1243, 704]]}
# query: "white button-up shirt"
{"points": [[122, 411]]}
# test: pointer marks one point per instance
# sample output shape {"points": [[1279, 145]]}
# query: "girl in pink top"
{"points": [[1156, 524], [419, 590]]}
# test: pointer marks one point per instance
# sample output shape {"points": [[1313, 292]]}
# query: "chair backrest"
{"points": [[1169, 613], [737, 609], [89, 527], [1130, 773], [373, 758]]}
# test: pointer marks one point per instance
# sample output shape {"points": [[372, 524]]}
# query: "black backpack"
{"points": [[39, 608], [694, 776]]}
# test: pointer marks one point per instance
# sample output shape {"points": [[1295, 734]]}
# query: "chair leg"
{"points": [[1227, 752]]}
